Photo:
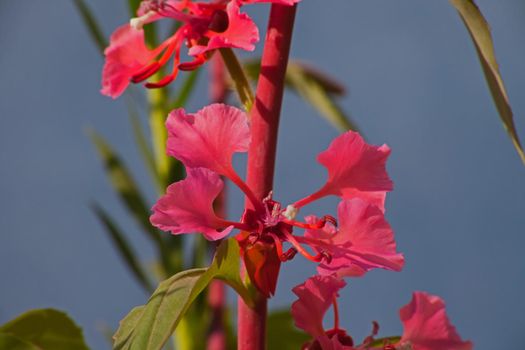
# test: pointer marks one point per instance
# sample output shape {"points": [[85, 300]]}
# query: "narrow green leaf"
{"points": [[143, 145], [313, 92], [91, 24], [123, 247], [10, 342], [242, 85], [149, 327], [125, 185], [133, 7], [282, 333], [314, 87], [46, 329], [479, 31], [185, 91]]}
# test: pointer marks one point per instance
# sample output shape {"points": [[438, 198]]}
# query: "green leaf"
{"points": [[10, 342], [45, 329], [128, 191], [143, 145], [92, 24], [480, 33], [133, 7], [315, 88], [242, 85], [125, 185], [149, 327], [316, 94], [123, 247], [282, 333]]}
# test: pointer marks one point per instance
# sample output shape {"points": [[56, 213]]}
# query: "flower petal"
{"points": [[208, 138], [364, 241], [241, 33], [355, 169], [125, 56], [427, 327], [315, 297], [188, 206]]}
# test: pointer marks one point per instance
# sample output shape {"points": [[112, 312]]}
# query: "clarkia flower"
{"points": [[205, 143], [205, 26], [426, 325]]}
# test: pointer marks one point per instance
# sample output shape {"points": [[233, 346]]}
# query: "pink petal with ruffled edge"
{"points": [[427, 327], [355, 170], [315, 295], [364, 241], [242, 33], [187, 206], [208, 138], [125, 56]]}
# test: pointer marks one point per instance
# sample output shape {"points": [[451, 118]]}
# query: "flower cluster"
{"points": [[426, 325], [205, 26], [360, 239]]}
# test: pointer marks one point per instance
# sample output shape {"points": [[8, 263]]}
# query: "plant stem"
{"points": [[261, 157]]}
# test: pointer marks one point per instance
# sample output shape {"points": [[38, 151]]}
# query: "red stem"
{"points": [[261, 157]]}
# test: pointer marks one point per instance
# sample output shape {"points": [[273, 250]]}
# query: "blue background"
{"points": [[414, 83]]}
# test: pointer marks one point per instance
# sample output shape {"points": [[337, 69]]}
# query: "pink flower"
{"points": [[316, 295], [363, 241], [427, 327], [209, 138], [206, 27]]}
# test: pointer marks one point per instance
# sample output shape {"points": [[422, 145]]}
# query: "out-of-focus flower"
{"points": [[205, 27]]}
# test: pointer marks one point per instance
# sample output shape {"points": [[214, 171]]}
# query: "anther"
{"points": [[288, 255], [291, 212]]}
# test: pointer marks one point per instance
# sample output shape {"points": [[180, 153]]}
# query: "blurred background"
{"points": [[414, 82]]}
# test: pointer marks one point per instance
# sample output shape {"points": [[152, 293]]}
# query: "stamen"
{"points": [[161, 83], [146, 72], [315, 258], [138, 23], [196, 63]]}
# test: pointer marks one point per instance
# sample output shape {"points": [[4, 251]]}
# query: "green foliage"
{"points": [[282, 333], [43, 329], [91, 24], [123, 247], [242, 85], [315, 88], [149, 327], [480, 33]]}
